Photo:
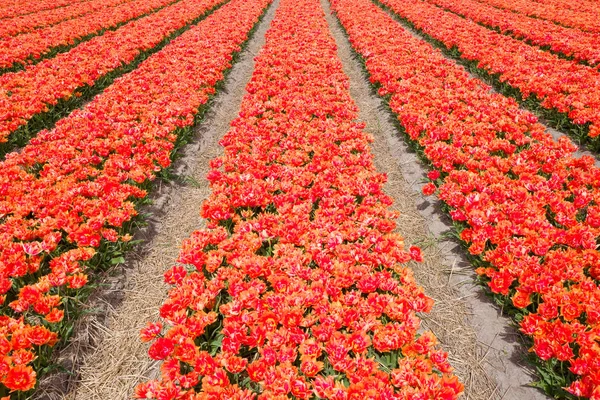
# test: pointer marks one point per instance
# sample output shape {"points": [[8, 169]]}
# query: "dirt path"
{"points": [[582, 150], [114, 360], [483, 346]]}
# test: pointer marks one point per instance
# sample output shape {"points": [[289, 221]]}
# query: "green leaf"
{"points": [[117, 260]]}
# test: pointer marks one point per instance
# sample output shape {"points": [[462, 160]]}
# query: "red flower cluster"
{"points": [[564, 85], [39, 86], [531, 208], [299, 273], [583, 15], [13, 8], [73, 185], [19, 49], [572, 42], [36, 20]]}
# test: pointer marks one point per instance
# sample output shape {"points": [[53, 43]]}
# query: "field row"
{"points": [[30, 22], [298, 286], [561, 85], [25, 95], [575, 15], [13, 8], [565, 89], [583, 5], [521, 201], [570, 42], [17, 51], [67, 197]]}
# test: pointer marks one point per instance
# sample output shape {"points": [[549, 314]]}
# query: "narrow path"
{"points": [[582, 149], [112, 359], [483, 347]]}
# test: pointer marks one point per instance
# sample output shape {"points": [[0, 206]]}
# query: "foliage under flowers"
{"points": [[22, 49], [296, 287], [524, 204], [25, 94], [65, 198], [562, 85]]}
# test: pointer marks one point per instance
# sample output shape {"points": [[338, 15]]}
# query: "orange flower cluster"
{"points": [[26, 93], [564, 85], [532, 210], [13, 8], [17, 349], [70, 189], [299, 275], [30, 22], [18, 50], [582, 46], [576, 16], [579, 5]]}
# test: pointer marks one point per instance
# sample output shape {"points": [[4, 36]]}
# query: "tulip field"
{"points": [[297, 278]]}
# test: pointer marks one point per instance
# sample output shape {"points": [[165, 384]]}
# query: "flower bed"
{"points": [[67, 196], [525, 206], [580, 5], [298, 286], [10, 9], [30, 22], [561, 85], [17, 51], [584, 18], [571, 42], [86, 68]]}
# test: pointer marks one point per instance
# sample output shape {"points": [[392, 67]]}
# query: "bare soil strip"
{"points": [[582, 150], [107, 357], [483, 346]]}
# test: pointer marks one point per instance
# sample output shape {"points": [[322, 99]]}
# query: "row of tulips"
{"points": [[298, 285], [13, 8], [66, 196], [562, 85], [19, 50], [571, 42], [29, 22], [38, 88], [579, 5], [574, 17], [526, 207]]}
